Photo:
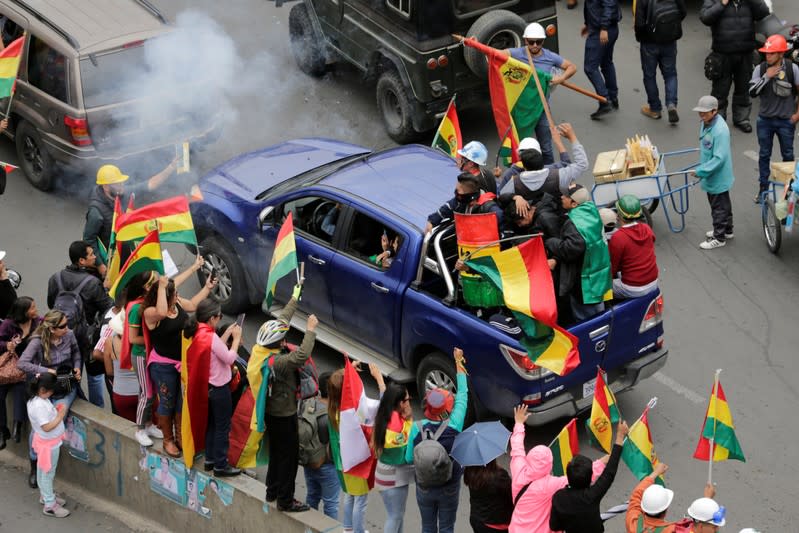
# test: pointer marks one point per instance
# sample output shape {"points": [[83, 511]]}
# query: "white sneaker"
{"points": [[709, 235], [55, 511], [142, 438], [154, 431], [710, 244], [59, 500]]}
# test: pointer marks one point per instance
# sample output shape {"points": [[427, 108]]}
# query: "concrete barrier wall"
{"points": [[112, 465]]}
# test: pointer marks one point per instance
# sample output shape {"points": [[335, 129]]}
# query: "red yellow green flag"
{"points": [[195, 366], [638, 451], [284, 259], [515, 99], [9, 66], [719, 427], [565, 446], [448, 135], [146, 257], [171, 217], [248, 448], [523, 276], [604, 413]]}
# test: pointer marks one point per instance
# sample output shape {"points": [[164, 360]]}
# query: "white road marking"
{"points": [[685, 392], [751, 154]]}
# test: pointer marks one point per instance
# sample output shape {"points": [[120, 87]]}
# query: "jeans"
{"points": [[738, 70], [284, 449], [166, 381], [766, 129], [664, 56], [96, 387], [582, 311], [354, 512], [17, 391], [220, 411], [600, 57], [721, 212], [66, 401], [544, 137], [45, 479], [438, 507], [323, 485], [394, 500]]}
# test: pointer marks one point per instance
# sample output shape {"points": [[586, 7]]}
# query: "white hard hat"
{"points": [[708, 511], [656, 499], [476, 152], [529, 143], [534, 31]]}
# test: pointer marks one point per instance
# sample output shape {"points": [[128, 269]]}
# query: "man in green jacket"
{"points": [[582, 256]]}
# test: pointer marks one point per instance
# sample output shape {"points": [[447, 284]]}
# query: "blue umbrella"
{"points": [[480, 443]]}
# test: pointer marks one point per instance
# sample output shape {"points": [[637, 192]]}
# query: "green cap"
{"points": [[628, 206]]}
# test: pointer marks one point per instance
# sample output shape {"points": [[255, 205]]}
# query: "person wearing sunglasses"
{"points": [[468, 199], [545, 60]]}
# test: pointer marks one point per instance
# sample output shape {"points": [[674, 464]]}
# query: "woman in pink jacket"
{"points": [[533, 485]]}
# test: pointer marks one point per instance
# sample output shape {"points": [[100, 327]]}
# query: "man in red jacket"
{"points": [[632, 252]]}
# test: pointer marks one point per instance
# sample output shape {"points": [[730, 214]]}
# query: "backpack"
{"points": [[70, 302], [307, 377], [664, 21], [312, 452], [431, 460]]}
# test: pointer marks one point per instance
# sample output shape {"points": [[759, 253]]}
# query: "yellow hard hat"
{"points": [[108, 174]]}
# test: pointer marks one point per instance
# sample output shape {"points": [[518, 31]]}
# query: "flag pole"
{"points": [[652, 403], [713, 438], [541, 94], [501, 142], [559, 432]]}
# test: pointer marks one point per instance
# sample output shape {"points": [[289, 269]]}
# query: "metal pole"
{"points": [[652, 403]]}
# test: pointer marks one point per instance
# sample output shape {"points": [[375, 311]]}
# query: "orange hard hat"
{"points": [[775, 44]]}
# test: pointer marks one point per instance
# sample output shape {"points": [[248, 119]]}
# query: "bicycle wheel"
{"points": [[771, 226]]}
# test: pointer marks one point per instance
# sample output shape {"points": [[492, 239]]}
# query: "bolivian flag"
{"points": [[146, 257], [523, 276], [638, 451], [448, 135], [565, 446], [284, 259], [719, 427], [195, 367], [514, 96], [248, 448], [604, 413], [171, 217], [9, 66]]}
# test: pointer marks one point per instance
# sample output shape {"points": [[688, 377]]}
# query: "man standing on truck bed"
{"points": [[546, 61], [468, 199]]}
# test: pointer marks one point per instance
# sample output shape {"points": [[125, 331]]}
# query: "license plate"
{"points": [[588, 388]]}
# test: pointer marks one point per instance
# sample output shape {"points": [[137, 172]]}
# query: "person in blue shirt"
{"points": [[715, 171], [546, 61]]}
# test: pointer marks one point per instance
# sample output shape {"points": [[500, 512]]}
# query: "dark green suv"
{"points": [[408, 48]]}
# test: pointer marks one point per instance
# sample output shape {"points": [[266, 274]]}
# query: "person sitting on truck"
{"points": [[389, 246], [537, 179], [472, 158], [543, 217], [632, 252], [468, 199], [582, 256], [529, 143]]}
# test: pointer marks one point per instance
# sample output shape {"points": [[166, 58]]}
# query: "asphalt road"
{"points": [[732, 308]]}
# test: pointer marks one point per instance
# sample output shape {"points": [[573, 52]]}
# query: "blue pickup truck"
{"points": [[404, 314]]}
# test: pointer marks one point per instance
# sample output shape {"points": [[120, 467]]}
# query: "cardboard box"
{"points": [[610, 166], [783, 171]]}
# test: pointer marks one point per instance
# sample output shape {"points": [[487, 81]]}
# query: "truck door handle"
{"points": [[599, 331], [380, 288], [316, 260]]}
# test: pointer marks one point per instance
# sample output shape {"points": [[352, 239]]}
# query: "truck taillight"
{"points": [[521, 363], [654, 314], [78, 130]]}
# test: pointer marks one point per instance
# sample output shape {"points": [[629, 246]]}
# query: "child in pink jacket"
{"points": [[533, 468]]}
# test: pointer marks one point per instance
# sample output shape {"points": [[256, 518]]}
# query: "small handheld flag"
{"points": [[565, 446], [448, 135], [284, 259], [638, 451], [717, 441], [604, 413]]}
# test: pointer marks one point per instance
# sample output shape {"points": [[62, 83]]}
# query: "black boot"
{"points": [[2, 440], [604, 109], [32, 476], [16, 435]]}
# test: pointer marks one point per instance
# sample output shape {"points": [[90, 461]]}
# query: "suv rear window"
{"points": [[104, 76]]}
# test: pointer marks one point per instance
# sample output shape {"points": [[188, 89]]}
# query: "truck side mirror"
{"points": [[265, 217]]}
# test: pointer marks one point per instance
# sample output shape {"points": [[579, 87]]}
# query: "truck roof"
{"points": [[410, 181]]}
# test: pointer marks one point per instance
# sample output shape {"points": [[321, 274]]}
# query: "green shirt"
{"points": [[134, 320]]}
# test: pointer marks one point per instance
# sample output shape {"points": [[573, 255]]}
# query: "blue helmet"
{"points": [[475, 152]]}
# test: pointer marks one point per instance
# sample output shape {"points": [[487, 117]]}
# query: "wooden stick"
{"points": [[540, 89], [584, 92]]}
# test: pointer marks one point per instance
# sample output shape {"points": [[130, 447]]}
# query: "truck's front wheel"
{"points": [[437, 371]]}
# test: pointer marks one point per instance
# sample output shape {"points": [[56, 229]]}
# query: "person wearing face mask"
{"points": [[468, 199], [111, 183]]}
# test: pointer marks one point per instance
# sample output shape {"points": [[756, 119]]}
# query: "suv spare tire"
{"points": [[498, 29], [396, 107], [307, 45]]}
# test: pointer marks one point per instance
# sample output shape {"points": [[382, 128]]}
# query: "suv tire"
{"points": [[34, 159], [396, 107], [306, 42], [231, 292], [499, 29]]}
